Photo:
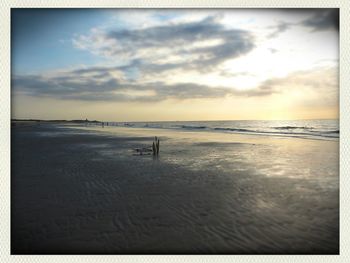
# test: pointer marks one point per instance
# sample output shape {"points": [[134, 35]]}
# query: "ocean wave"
{"points": [[283, 132], [292, 128], [335, 131], [310, 129], [326, 132], [192, 127], [233, 129]]}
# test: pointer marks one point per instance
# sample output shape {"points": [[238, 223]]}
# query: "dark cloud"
{"points": [[98, 84], [280, 28], [323, 19], [318, 19], [109, 89], [73, 85], [101, 70], [37, 85], [187, 41]]}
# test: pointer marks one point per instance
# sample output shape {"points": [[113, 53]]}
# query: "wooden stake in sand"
{"points": [[154, 149], [155, 146], [148, 150]]}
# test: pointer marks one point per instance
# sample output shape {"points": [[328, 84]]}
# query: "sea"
{"points": [[310, 129]]}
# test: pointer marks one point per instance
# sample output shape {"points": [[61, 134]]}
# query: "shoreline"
{"points": [[218, 131], [302, 130], [233, 135]]}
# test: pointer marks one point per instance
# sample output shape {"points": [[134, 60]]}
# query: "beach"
{"points": [[84, 190]]}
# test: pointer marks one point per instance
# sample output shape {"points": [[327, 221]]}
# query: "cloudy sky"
{"points": [[174, 64]]}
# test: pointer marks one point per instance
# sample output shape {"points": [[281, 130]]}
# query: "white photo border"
{"points": [[5, 127]]}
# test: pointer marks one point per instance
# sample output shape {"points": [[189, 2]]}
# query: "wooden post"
{"points": [[154, 149], [158, 147]]}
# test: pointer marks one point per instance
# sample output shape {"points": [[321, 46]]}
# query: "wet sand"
{"points": [[83, 191]]}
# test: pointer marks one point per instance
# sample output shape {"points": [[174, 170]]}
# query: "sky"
{"points": [[174, 64]]}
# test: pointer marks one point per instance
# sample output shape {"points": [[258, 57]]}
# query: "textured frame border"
{"points": [[344, 102]]}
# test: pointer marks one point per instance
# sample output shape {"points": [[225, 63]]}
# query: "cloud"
{"points": [[109, 89], [317, 19], [100, 84], [323, 19], [280, 28], [199, 45], [319, 86]]}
